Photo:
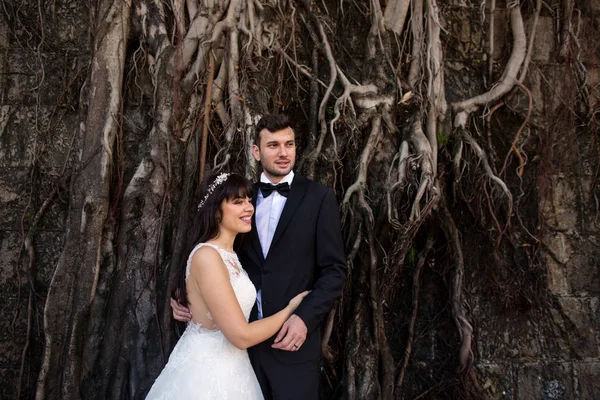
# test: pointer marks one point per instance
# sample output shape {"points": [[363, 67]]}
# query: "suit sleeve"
{"points": [[330, 264]]}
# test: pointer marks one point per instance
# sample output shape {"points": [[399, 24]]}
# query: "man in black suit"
{"points": [[296, 245]]}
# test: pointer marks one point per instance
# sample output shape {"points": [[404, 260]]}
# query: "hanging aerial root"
{"points": [[402, 157], [202, 25], [206, 124], [300, 68], [417, 46], [219, 86], [325, 349], [491, 39], [416, 288], [333, 70], [509, 77], [380, 343], [70, 289], [456, 161], [513, 145], [423, 152], [236, 116], [395, 14], [538, 10], [463, 326], [229, 22], [28, 245], [360, 184], [436, 93], [464, 135]]}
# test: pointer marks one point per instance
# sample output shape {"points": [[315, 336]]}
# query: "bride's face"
{"points": [[236, 215]]}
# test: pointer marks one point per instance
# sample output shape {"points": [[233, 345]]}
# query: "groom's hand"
{"points": [[180, 313], [292, 334]]}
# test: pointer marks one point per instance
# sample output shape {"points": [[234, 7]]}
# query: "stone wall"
{"points": [[549, 351], [40, 78]]}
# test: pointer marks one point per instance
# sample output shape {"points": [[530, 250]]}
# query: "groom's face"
{"points": [[276, 152]]}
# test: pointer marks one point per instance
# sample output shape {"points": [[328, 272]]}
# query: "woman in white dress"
{"points": [[210, 360]]}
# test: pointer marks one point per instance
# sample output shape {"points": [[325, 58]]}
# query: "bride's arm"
{"points": [[211, 277]]}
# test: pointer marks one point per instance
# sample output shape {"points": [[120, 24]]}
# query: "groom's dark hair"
{"points": [[272, 123]]}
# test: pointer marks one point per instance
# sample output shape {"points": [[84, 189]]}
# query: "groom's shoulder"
{"points": [[315, 188]]}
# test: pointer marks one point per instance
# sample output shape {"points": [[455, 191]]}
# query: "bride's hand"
{"points": [[295, 302]]}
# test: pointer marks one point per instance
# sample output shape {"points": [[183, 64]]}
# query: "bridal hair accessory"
{"points": [[218, 181]]}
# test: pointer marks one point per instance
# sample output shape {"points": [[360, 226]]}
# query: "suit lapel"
{"points": [[297, 192], [255, 239]]}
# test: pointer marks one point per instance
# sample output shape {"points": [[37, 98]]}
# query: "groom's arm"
{"points": [[330, 264]]}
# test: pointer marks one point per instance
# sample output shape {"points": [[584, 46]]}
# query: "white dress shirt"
{"points": [[268, 212]]}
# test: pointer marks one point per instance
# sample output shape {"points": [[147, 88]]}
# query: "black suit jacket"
{"points": [[307, 253]]}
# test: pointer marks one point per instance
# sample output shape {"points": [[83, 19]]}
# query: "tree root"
{"points": [[513, 145], [325, 349], [402, 156], [28, 244], [395, 14], [27, 340], [509, 77], [417, 45], [456, 161], [233, 14], [436, 95], [326, 49], [206, 124], [465, 329], [538, 10], [301, 68], [464, 135], [424, 155], [416, 287], [491, 40], [360, 184], [70, 288]]}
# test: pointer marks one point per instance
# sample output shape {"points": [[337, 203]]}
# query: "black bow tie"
{"points": [[282, 188]]}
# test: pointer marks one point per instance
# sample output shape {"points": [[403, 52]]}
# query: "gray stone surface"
{"points": [[553, 354], [587, 379], [498, 380], [579, 315], [520, 354], [548, 381], [544, 45]]}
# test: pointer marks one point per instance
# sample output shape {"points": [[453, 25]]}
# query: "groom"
{"points": [[295, 245]]}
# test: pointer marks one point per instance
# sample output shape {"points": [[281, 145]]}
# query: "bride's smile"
{"points": [[237, 215]]}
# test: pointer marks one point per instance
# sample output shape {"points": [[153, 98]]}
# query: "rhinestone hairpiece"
{"points": [[218, 181]]}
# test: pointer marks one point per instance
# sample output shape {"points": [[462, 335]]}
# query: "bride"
{"points": [[210, 360]]}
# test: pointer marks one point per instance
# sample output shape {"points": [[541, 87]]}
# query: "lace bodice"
{"points": [[242, 286], [229, 258]]}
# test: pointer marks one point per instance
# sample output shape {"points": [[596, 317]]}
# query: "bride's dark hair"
{"points": [[207, 218]]}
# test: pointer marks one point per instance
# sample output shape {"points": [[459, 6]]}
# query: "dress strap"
{"points": [[229, 258]]}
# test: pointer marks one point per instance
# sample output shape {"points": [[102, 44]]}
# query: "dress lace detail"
{"points": [[229, 258], [204, 364]]}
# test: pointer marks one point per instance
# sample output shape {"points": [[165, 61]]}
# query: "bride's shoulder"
{"points": [[205, 258]]}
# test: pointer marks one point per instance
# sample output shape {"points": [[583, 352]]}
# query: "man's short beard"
{"points": [[277, 173]]}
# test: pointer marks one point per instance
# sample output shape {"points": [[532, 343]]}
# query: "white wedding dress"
{"points": [[204, 364]]}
